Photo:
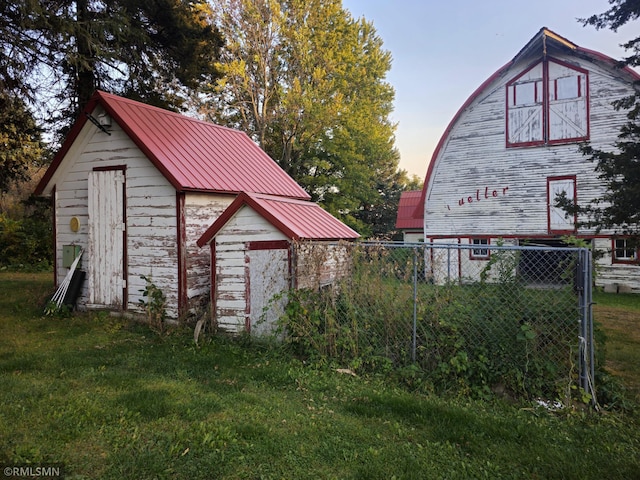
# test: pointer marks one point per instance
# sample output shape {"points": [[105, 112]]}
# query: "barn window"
{"points": [[479, 253], [623, 251], [547, 104], [558, 219]]}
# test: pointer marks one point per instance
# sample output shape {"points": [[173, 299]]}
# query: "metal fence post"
{"points": [[589, 313], [415, 305], [586, 350]]}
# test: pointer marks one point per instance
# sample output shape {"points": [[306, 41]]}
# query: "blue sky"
{"points": [[444, 49]]}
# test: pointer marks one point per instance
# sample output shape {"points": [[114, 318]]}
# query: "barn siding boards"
{"points": [[488, 180], [234, 269], [475, 159], [252, 261], [622, 277]]}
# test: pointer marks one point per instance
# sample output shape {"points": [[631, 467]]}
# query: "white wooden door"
{"points": [[106, 238], [269, 277]]}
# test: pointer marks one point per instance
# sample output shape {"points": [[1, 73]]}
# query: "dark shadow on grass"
{"points": [[149, 403]]}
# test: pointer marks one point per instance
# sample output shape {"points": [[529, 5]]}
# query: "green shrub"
{"points": [[495, 335]]}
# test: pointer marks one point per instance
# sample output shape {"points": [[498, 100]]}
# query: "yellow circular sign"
{"points": [[74, 224]]}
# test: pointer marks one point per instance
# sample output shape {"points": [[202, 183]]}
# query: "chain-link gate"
{"points": [[486, 317]]}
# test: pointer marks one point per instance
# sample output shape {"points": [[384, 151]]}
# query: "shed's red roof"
{"points": [[297, 219], [406, 209], [193, 155]]}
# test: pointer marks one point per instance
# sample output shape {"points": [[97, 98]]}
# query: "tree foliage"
{"points": [[58, 52], [307, 82], [619, 208], [20, 142]]}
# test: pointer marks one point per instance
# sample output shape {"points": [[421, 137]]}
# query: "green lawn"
{"points": [[619, 316], [109, 399]]}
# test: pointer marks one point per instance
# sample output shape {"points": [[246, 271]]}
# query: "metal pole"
{"points": [[584, 326], [415, 305], [589, 300]]}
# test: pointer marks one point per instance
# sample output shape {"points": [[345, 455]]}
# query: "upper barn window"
{"points": [[547, 104]]}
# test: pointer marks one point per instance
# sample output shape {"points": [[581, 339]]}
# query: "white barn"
{"points": [[135, 186], [513, 146]]}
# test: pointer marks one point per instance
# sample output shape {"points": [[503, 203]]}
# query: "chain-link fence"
{"points": [[479, 317]]}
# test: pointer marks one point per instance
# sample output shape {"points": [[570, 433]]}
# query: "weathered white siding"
{"points": [[151, 248], [201, 210], [412, 237], [479, 186], [318, 264], [232, 303], [615, 277]]}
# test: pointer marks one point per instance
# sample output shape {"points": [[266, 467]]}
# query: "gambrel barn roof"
{"points": [[544, 43], [192, 155], [297, 219]]}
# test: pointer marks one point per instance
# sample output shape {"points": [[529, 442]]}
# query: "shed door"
{"points": [[268, 277], [106, 238]]}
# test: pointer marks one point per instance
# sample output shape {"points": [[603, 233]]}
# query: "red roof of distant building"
{"points": [[297, 219], [193, 155], [406, 209]]}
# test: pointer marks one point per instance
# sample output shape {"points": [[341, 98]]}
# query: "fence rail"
{"points": [[481, 317]]}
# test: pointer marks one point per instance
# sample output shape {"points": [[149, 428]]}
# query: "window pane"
{"points": [[623, 251], [480, 252], [525, 93], [567, 87]]}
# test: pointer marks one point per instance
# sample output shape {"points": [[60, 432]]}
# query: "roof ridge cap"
{"points": [[108, 97]]}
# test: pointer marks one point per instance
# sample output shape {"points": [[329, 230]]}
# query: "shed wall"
{"points": [[231, 300], [615, 277], [201, 210], [150, 212]]}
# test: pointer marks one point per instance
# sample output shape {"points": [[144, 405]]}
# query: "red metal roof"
{"points": [[297, 219], [193, 155], [406, 209]]}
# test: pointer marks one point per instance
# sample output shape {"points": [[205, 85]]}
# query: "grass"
{"points": [[110, 399], [620, 315]]}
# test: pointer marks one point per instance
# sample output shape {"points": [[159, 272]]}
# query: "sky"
{"points": [[443, 50]]}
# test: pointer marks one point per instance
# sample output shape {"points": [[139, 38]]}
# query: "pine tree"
{"points": [[619, 208]]}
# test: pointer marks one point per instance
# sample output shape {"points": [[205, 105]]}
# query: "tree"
{"points": [[619, 208], [58, 52], [20, 141], [381, 216], [307, 82]]}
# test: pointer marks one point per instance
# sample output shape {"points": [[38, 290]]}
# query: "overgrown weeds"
{"points": [[496, 334]]}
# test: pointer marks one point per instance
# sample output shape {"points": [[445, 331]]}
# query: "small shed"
{"points": [[254, 258], [135, 186]]}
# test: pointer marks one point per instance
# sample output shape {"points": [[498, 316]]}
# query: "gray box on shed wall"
{"points": [[69, 254]]}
